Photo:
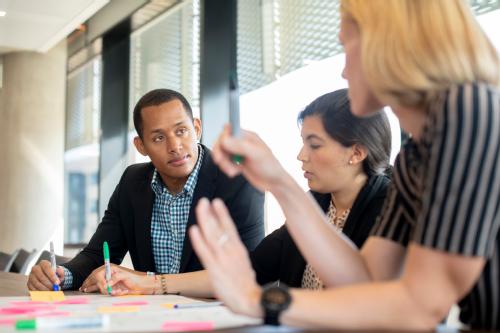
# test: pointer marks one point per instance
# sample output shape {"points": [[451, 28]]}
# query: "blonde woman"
{"points": [[436, 241]]}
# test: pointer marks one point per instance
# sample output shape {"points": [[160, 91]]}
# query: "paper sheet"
{"points": [[149, 313]]}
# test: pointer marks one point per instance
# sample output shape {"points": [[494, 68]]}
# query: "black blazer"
{"points": [[126, 224], [277, 258]]}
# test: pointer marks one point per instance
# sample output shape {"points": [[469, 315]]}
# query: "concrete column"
{"points": [[32, 104]]}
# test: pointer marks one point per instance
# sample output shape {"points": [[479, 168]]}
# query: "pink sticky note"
{"points": [[19, 310], [137, 303], [7, 321], [185, 326], [53, 314]]}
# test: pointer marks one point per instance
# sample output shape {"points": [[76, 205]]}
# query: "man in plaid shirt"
{"points": [[153, 204]]}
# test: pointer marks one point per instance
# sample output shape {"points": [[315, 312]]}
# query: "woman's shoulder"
{"points": [[464, 105]]}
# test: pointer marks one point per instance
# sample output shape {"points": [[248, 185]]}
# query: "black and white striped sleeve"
{"points": [[461, 183]]}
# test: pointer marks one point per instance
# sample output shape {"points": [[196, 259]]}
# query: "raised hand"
{"points": [[260, 167], [217, 244]]}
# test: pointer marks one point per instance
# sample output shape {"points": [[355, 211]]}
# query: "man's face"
{"points": [[169, 138]]}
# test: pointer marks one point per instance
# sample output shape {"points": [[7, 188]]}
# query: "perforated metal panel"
{"points": [[165, 54], [308, 32], [251, 44], [292, 33], [83, 105], [484, 6]]}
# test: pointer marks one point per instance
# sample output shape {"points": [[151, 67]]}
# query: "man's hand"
{"points": [[91, 283], [126, 282], [42, 277]]}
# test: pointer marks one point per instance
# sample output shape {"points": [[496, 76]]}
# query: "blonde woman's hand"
{"points": [[259, 166], [217, 244]]}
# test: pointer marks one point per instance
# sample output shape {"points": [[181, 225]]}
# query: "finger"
{"points": [[201, 248], [119, 292], [242, 146], [60, 273], [90, 280], [223, 216], [102, 287], [48, 272], [92, 288], [85, 284], [39, 286], [208, 224], [222, 158], [116, 278], [40, 278]]}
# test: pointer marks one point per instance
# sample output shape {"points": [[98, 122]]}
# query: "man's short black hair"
{"points": [[154, 98]]}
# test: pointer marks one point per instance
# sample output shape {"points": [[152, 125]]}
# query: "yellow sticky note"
{"points": [[47, 296], [117, 309]]}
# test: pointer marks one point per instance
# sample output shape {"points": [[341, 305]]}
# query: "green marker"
{"points": [[107, 266]]}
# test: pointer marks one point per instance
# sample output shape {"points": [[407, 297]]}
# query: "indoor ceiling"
{"points": [[38, 25]]}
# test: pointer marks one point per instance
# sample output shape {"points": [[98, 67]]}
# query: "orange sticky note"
{"points": [[47, 296], [117, 309]]}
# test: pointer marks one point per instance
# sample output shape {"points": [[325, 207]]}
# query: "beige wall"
{"points": [[32, 103]]}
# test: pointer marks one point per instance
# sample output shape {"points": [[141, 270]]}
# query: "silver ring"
{"points": [[222, 239]]}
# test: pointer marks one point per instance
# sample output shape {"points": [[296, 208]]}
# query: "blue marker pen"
{"points": [[55, 286]]}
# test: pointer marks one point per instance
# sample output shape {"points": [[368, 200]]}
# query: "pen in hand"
{"points": [[53, 265], [107, 266], [234, 113]]}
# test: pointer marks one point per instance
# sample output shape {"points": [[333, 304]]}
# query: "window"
{"points": [[81, 157], [165, 54]]}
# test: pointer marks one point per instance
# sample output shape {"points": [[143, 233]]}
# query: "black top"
{"points": [[446, 192], [126, 224], [278, 258]]}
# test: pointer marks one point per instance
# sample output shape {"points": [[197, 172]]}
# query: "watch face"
{"points": [[276, 298]]}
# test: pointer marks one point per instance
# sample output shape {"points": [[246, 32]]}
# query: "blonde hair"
{"points": [[413, 49]]}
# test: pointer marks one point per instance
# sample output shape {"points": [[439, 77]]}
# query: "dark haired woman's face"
{"points": [[325, 161]]}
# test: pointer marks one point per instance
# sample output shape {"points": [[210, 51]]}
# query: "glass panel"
{"points": [[81, 158]]}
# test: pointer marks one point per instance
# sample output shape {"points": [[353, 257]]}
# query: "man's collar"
{"points": [[159, 187]]}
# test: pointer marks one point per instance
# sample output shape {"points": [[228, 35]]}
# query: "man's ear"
{"points": [[139, 145], [197, 127]]}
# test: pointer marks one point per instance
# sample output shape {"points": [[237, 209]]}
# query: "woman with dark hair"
{"points": [[344, 159]]}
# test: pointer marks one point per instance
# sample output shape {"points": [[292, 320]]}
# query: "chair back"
{"points": [[45, 255], [22, 261], [6, 261], [9, 264]]}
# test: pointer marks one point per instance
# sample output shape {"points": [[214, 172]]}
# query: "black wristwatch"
{"points": [[274, 300]]}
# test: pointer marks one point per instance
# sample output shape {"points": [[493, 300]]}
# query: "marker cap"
{"points": [[29, 324]]}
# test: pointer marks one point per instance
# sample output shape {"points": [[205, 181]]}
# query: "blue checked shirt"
{"points": [[168, 223], [169, 220]]}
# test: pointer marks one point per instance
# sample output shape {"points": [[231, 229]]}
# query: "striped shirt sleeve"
{"points": [[460, 199]]}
